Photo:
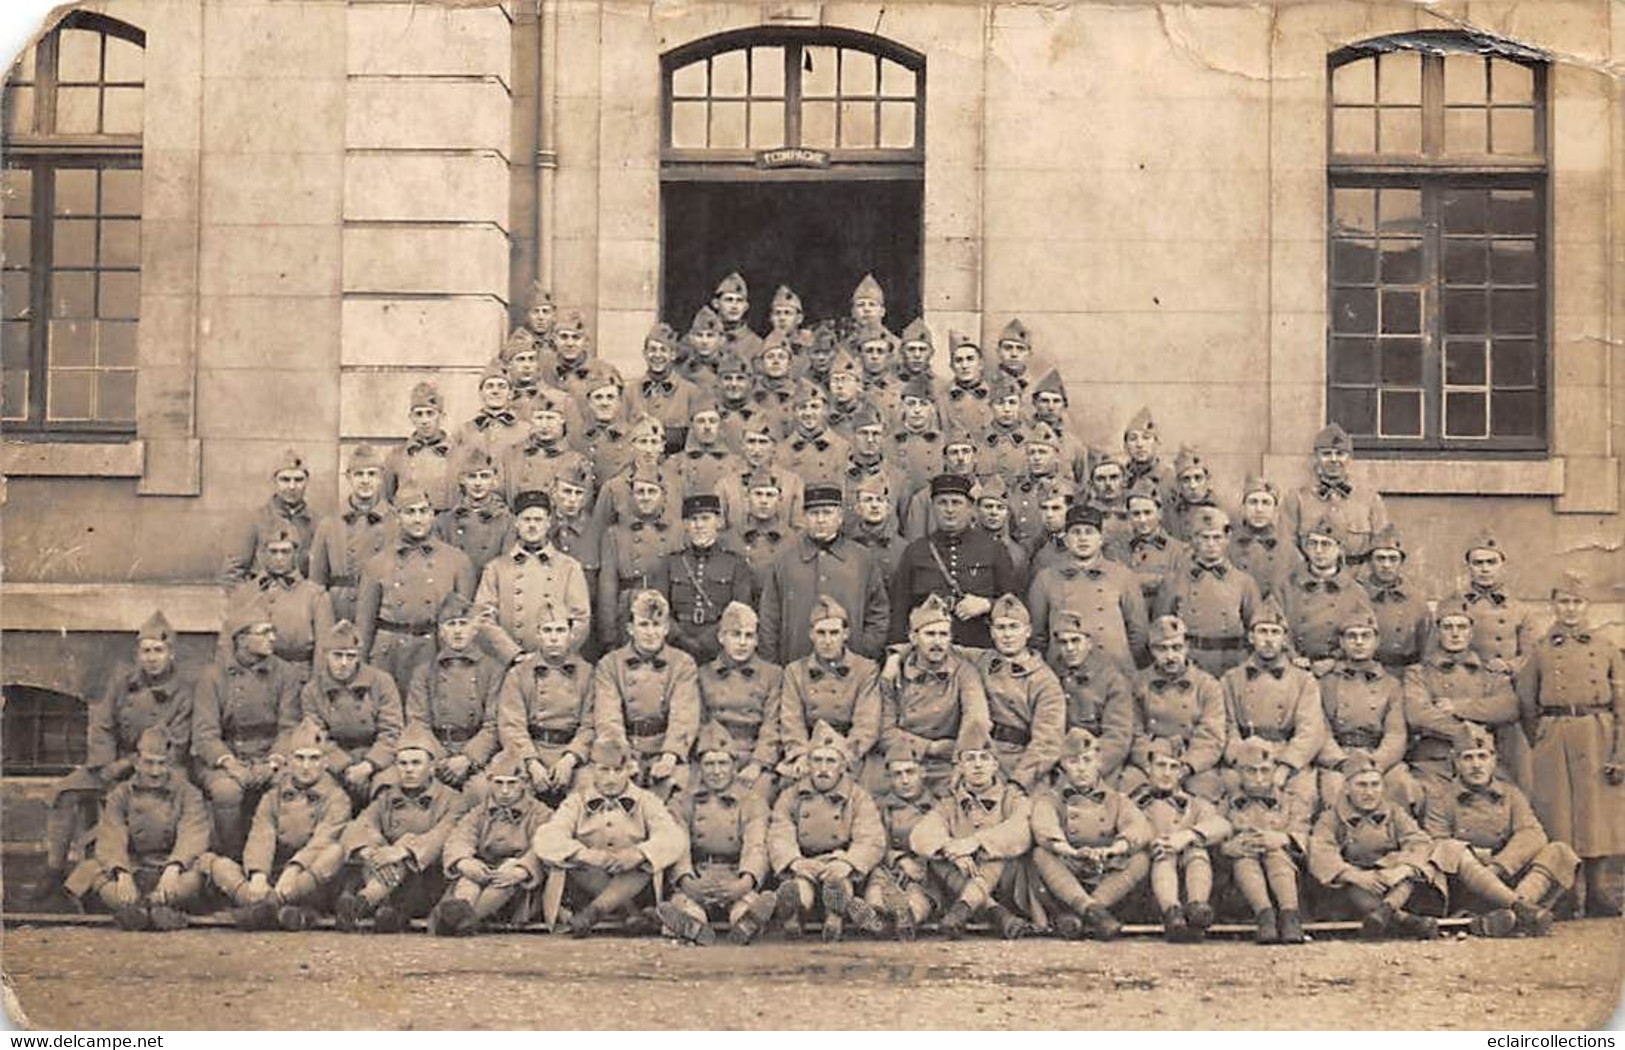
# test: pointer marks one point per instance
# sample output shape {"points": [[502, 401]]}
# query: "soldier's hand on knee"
{"points": [[836, 870], [456, 769], [1613, 773], [125, 892], [966, 865], [258, 886], [509, 873], [384, 856], [738, 888], [169, 884], [806, 868], [628, 858], [474, 870], [285, 881], [540, 779], [912, 868]]}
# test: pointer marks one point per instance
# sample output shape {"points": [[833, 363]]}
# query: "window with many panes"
{"points": [[854, 97], [1437, 245], [70, 261]]}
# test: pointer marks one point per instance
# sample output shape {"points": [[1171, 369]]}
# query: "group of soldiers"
{"points": [[791, 630]]}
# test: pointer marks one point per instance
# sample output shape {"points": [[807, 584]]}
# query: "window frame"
{"points": [[1432, 171]]}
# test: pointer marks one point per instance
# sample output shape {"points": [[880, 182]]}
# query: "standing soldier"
{"points": [[914, 352], [359, 709], [542, 318], [898, 887], [344, 542], [1319, 595], [1149, 550], [915, 449], [1270, 830], [1004, 438], [522, 360], [572, 530], [1356, 515], [632, 552], [487, 856], [1256, 546], [1449, 687], [726, 861], [735, 409], [1050, 406], [1184, 827], [423, 463], [874, 524], [394, 845], [662, 393], [1215, 599], [868, 456], [480, 521], [700, 351], [293, 850], [830, 685], [1098, 695], [1403, 617], [992, 505], [1031, 483], [544, 711], [532, 466], [700, 579], [845, 393], [881, 387], [936, 698], [497, 426], [1105, 593], [1365, 715], [1193, 492], [285, 512], [152, 835], [154, 692], [605, 438], [773, 388], [732, 302], [823, 838], [454, 695], [1271, 699], [1142, 464], [530, 580], [784, 313], [646, 438], [963, 400], [646, 693], [959, 451], [609, 839], [1107, 492], [762, 528], [1013, 358], [1182, 704], [760, 458], [972, 838], [821, 562], [1048, 546], [241, 705], [869, 302], [705, 460], [815, 451], [300, 611], [1025, 705], [954, 560], [1571, 694], [740, 692], [402, 587], [571, 370]]}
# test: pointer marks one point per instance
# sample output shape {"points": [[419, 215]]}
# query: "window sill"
{"points": [[1466, 477], [190, 607], [73, 459]]}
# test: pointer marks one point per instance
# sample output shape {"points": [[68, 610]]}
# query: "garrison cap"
{"points": [[705, 320], [1050, 383], [1188, 459], [1572, 582], [290, 460], [1009, 607], [826, 608], [1044, 434], [1208, 518], [825, 738], [494, 370], [1167, 629], [156, 629], [783, 296], [1251, 752], [416, 736], [411, 497], [1355, 620], [903, 749], [917, 332], [1066, 621], [1470, 736], [1259, 483], [152, 743], [1142, 422], [519, 340], [1356, 763], [844, 364], [650, 605], [507, 763], [733, 283], [869, 288], [454, 607], [1320, 526], [1145, 488], [1334, 436], [874, 483], [610, 751], [973, 738], [713, 737], [918, 387], [540, 295], [425, 395], [1483, 540], [807, 390], [931, 610], [1387, 539], [342, 635], [364, 457], [730, 364], [993, 487], [571, 321], [737, 616], [1079, 742], [1268, 611], [308, 735], [1016, 332], [663, 334]]}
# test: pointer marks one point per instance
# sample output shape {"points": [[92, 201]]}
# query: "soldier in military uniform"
{"points": [[1013, 358], [1149, 550], [572, 531], [1107, 492], [662, 393], [823, 838], [1048, 546], [542, 317], [813, 450], [876, 353], [1184, 828], [1098, 695], [293, 851], [821, 562], [240, 706], [546, 453], [959, 451], [487, 857], [963, 400], [150, 841], [760, 458], [1319, 595], [1105, 593], [1181, 703], [394, 846], [699, 352], [522, 360], [1402, 614], [1256, 546], [1141, 463], [609, 839], [1503, 631], [869, 302], [972, 838], [1356, 514], [965, 565], [1193, 492], [1089, 842], [343, 542], [830, 685], [740, 692], [773, 384], [935, 698], [1026, 707], [762, 531], [1004, 439], [1365, 714], [725, 866], [735, 410], [480, 521], [874, 524], [1050, 406], [300, 610], [1489, 841], [402, 587], [898, 887], [153, 692], [615, 504], [454, 695], [530, 576], [572, 366], [784, 313], [497, 426], [867, 458], [1571, 694], [544, 711], [1214, 598], [915, 447], [606, 438], [705, 460], [632, 552], [359, 708], [915, 348], [1271, 699], [423, 463], [1368, 851], [1450, 686], [285, 512], [846, 397], [1269, 833], [1031, 483], [646, 693], [991, 497], [700, 578], [731, 301]]}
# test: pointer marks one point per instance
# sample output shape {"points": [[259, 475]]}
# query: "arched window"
{"points": [[846, 97], [72, 239], [1438, 232]]}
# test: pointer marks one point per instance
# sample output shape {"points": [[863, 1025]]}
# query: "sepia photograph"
{"points": [[794, 514]]}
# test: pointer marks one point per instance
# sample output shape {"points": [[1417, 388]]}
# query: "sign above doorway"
{"points": [[792, 157]]}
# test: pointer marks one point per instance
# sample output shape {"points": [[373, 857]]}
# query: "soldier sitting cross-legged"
{"points": [[488, 855]]}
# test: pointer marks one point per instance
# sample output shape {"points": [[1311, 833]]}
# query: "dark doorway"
{"points": [[819, 238]]}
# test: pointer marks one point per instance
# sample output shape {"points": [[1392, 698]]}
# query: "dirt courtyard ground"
{"points": [[97, 978]]}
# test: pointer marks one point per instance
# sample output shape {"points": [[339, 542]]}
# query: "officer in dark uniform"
{"points": [[965, 564], [701, 579]]}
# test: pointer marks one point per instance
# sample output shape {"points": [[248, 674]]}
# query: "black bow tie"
{"points": [[1157, 541], [564, 670], [971, 802], [1479, 595], [1094, 795], [626, 802], [483, 513], [1357, 672], [661, 386], [1218, 572], [656, 524], [1388, 594], [437, 444], [293, 794], [821, 444], [1267, 801], [1277, 671], [817, 672], [566, 372], [608, 430], [422, 800], [940, 677], [1328, 489], [271, 579], [998, 663], [1376, 819], [1014, 437], [539, 554], [506, 814], [697, 453], [771, 535], [928, 436], [1265, 541], [1331, 586], [1583, 637], [745, 670], [549, 449], [487, 419], [960, 390], [355, 514], [657, 662], [1074, 676], [420, 546], [1162, 685]]}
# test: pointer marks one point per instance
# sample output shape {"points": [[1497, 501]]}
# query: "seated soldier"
{"points": [[898, 887], [740, 691], [150, 843], [1487, 838], [1185, 827], [1088, 842], [455, 695], [1365, 714], [358, 706], [936, 698], [646, 693], [1269, 832], [293, 849], [394, 845], [833, 685], [1098, 697], [152, 693], [1369, 852], [487, 855], [1451, 687], [825, 834], [609, 839], [1182, 703], [1025, 704], [1268, 698], [544, 712], [726, 863], [972, 838]]}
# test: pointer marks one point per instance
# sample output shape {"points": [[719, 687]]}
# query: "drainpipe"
{"points": [[547, 158]]}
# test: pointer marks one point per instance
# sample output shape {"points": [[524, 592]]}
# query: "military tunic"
{"points": [[1155, 472], [1345, 839], [418, 821], [574, 535], [1188, 709], [884, 544], [1265, 557], [495, 834], [544, 710], [651, 701], [839, 824], [699, 584], [1474, 694], [631, 557], [1152, 558], [819, 457], [701, 469], [1502, 629], [773, 398], [844, 694], [362, 717], [735, 492], [1026, 494], [422, 465], [1365, 714], [1317, 607], [1216, 602], [1105, 594], [936, 709], [132, 703], [666, 398], [300, 611], [1496, 819], [1026, 712], [480, 531], [297, 825], [763, 542], [1096, 817], [494, 433], [1100, 699], [975, 564], [588, 819], [342, 544], [1003, 450], [399, 601], [998, 818], [965, 406], [1404, 622], [744, 698], [727, 836], [607, 446], [1180, 517], [273, 517], [241, 708], [145, 829], [455, 697], [807, 569], [916, 456], [533, 467], [1356, 515], [526, 589]]}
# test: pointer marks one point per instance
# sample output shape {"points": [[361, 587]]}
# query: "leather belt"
{"points": [[1203, 641], [1575, 712], [731, 861], [649, 727], [343, 581], [1367, 738], [1009, 734], [551, 736], [421, 630], [1272, 734], [453, 734]]}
